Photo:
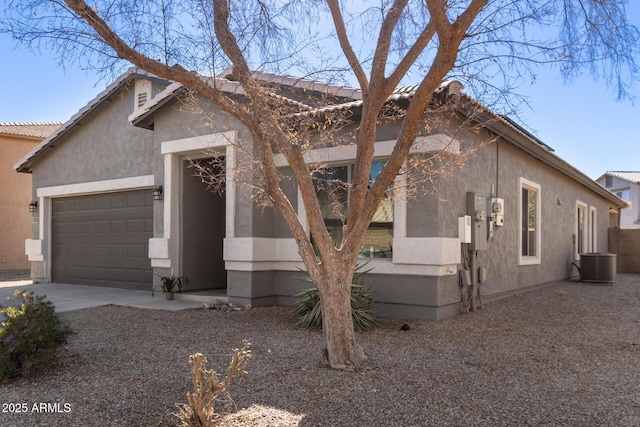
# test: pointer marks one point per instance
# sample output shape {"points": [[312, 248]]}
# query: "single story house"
{"points": [[119, 205], [16, 139]]}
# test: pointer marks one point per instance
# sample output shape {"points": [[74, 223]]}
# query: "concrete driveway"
{"points": [[77, 297]]}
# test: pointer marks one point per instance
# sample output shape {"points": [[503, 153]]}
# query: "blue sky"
{"points": [[583, 122]]}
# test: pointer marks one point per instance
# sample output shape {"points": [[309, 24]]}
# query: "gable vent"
{"points": [[142, 93], [142, 99]]}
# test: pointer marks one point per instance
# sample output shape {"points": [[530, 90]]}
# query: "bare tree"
{"points": [[493, 45]]}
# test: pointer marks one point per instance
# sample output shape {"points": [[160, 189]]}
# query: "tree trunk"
{"points": [[341, 351]]}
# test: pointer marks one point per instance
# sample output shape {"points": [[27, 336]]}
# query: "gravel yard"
{"points": [[563, 355]]}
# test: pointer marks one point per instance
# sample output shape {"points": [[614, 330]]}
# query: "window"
{"points": [[529, 216], [581, 229], [332, 187], [623, 194]]}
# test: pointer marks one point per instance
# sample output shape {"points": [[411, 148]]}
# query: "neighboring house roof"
{"points": [[29, 130], [631, 176], [24, 164]]}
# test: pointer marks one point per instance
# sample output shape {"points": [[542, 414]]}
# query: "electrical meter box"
{"points": [[477, 210], [497, 212]]}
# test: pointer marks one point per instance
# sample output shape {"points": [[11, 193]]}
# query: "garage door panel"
{"points": [[101, 203], [85, 205], [101, 227], [101, 273], [103, 239], [135, 225], [118, 250], [117, 201], [135, 251], [101, 250], [86, 227], [117, 274], [118, 226], [135, 275]]}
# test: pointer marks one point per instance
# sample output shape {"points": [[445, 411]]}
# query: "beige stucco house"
{"points": [[16, 139]]}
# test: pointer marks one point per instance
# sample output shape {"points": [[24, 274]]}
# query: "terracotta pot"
{"points": [[168, 295]]}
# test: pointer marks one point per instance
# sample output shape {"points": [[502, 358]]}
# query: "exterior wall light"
{"points": [[157, 192], [33, 206]]}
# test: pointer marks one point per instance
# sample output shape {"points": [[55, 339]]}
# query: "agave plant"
{"points": [[171, 284], [309, 307]]}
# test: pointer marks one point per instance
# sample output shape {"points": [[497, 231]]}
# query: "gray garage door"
{"points": [[103, 239]]}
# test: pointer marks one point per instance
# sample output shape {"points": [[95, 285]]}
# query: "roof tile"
{"points": [[631, 176], [33, 130]]}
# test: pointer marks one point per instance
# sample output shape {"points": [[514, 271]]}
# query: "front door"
{"points": [[203, 230]]}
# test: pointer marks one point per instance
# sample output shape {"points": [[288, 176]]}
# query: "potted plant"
{"points": [[171, 284]]}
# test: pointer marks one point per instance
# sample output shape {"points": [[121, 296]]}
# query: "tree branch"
{"points": [[412, 55], [381, 53], [266, 131], [174, 73], [443, 62], [338, 23]]}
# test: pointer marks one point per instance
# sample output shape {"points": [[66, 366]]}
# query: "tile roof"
{"points": [[32, 130], [302, 83], [631, 176]]}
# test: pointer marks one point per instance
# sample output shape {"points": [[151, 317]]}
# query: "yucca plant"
{"points": [[309, 307]]}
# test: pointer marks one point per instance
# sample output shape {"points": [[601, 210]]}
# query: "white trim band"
{"points": [[94, 187], [429, 256], [422, 144]]}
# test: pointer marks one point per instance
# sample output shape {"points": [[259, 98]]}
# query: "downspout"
{"points": [[474, 280]]}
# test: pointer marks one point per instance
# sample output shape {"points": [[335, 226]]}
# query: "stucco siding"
{"points": [[15, 195], [103, 146], [183, 119]]}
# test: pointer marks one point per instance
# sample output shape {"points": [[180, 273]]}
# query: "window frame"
{"points": [[523, 184], [349, 165]]}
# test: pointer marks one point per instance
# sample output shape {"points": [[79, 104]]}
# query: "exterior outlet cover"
{"points": [[464, 229]]}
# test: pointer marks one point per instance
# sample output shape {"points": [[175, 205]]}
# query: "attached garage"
{"points": [[102, 239]]}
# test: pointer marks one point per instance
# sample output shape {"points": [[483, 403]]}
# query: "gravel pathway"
{"points": [[564, 355]]}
